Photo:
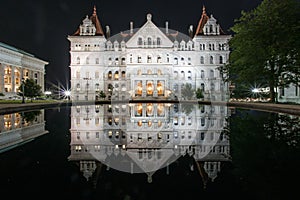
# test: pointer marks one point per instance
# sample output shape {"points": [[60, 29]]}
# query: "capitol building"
{"points": [[147, 62]]}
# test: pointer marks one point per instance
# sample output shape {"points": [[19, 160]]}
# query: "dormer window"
{"points": [[140, 41], [158, 41], [149, 40], [87, 27]]}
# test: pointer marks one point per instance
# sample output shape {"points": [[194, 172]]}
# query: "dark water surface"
{"points": [[149, 151]]}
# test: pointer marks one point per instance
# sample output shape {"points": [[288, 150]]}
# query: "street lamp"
{"points": [[23, 91], [87, 87]]}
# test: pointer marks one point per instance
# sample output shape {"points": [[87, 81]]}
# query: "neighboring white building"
{"points": [[17, 65], [289, 94], [147, 62]]}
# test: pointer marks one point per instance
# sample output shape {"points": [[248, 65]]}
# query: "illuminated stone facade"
{"points": [[147, 62], [16, 65]]}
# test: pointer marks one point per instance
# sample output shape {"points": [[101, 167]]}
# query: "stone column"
{"points": [[144, 85], [155, 88], [13, 79], [2, 78]]}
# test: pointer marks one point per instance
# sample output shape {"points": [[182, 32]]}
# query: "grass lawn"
{"points": [[27, 101]]}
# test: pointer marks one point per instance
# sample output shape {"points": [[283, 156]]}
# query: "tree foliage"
{"points": [[265, 45], [102, 94], [187, 91], [31, 89], [199, 93]]}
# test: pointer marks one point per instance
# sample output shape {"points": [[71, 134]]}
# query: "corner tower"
{"points": [[212, 50], [86, 48]]}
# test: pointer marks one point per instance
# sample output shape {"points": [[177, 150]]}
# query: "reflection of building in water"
{"points": [[144, 137], [19, 128], [148, 61]]}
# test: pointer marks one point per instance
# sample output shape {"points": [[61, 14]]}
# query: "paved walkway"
{"points": [[282, 108]]}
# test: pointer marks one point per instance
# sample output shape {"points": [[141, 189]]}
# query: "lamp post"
{"points": [[87, 87], [23, 90]]}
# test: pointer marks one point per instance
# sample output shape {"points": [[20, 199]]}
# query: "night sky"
{"points": [[41, 27]]}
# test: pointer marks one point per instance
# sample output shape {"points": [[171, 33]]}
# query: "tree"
{"points": [[31, 89], [30, 116], [199, 93], [102, 94], [187, 91], [265, 46]]}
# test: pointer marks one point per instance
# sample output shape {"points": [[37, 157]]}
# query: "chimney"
{"points": [[167, 27], [107, 32], [191, 31], [131, 27]]}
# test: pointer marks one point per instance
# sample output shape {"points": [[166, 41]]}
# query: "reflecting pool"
{"points": [[149, 151]]}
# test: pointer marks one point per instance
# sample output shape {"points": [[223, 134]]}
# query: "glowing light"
{"points": [[255, 90], [48, 92], [67, 93]]}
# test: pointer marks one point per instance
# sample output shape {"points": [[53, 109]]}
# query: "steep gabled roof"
{"points": [[204, 18], [94, 18]]}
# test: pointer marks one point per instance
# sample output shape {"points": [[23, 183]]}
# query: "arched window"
{"points": [[182, 75], [176, 75], [211, 60], [221, 59], [109, 75], [202, 74], [211, 74], [78, 60], [149, 40], [202, 60], [123, 74], [189, 75], [158, 41], [202, 87], [139, 72], [123, 61], [77, 86], [97, 60], [116, 75], [140, 41], [87, 60], [97, 87], [139, 59], [149, 59], [176, 61], [158, 59]]}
